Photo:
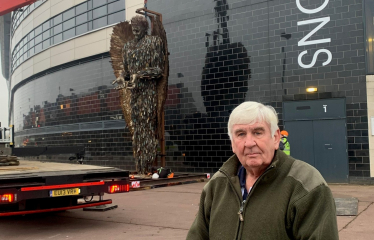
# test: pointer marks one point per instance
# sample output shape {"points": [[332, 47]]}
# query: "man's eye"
{"points": [[258, 133]]}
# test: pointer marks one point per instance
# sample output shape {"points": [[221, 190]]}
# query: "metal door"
{"points": [[317, 135], [330, 154], [301, 138]]}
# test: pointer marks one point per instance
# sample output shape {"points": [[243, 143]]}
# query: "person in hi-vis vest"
{"points": [[284, 140]]}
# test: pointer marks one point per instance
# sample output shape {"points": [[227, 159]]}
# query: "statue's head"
{"points": [[139, 27]]}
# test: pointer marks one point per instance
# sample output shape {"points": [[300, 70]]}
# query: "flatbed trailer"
{"points": [[36, 187]]}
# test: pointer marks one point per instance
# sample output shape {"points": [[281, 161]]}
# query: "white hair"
{"points": [[252, 112]]}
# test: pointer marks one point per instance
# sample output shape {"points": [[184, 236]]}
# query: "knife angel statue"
{"points": [[140, 64]]}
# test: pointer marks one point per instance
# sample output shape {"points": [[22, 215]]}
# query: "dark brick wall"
{"points": [[221, 54], [258, 26]]}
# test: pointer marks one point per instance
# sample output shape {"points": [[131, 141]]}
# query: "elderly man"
{"points": [[261, 193]]}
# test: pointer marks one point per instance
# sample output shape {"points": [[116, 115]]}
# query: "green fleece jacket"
{"points": [[290, 200]]}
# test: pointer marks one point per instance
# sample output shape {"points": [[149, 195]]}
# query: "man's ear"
{"points": [[277, 137]]}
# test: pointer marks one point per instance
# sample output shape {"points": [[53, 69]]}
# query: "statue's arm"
{"points": [[157, 62]]}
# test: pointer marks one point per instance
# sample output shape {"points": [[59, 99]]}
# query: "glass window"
{"points": [[46, 35], [38, 48], [116, 17], [68, 34], [89, 25], [89, 15], [57, 38], [68, 14], [31, 34], [97, 3], [25, 48], [81, 29], [31, 43], [100, 22], [99, 12], [116, 6], [38, 39], [57, 19], [46, 44], [81, 19], [81, 8], [38, 30], [46, 25], [68, 24], [31, 52], [57, 29]]}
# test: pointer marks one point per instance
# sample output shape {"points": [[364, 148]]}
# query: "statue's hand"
{"points": [[120, 81], [131, 84]]}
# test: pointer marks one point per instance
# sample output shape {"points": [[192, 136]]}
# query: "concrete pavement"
{"points": [[358, 227], [162, 213]]}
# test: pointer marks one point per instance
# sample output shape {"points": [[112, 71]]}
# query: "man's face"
{"points": [[254, 145], [138, 32]]}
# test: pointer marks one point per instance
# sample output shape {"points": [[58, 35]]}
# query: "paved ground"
{"points": [[163, 213]]}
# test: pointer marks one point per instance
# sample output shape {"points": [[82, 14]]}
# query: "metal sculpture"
{"points": [[141, 66]]}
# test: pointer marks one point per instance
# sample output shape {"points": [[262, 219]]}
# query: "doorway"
{"points": [[317, 135]]}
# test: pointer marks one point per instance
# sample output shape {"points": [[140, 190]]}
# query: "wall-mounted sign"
{"points": [[305, 42]]}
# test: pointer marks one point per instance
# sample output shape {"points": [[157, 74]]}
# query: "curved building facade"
{"points": [[222, 52], [60, 84]]}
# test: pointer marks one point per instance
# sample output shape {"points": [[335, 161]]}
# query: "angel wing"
{"points": [[162, 84], [122, 33]]}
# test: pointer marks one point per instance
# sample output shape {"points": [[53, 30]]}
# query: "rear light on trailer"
{"points": [[8, 198], [119, 188]]}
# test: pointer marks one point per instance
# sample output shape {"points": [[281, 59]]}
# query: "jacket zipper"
{"points": [[241, 211], [241, 219], [243, 204]]}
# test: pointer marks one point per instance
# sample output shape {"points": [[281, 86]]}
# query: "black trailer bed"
{"points": [[30, 173]]}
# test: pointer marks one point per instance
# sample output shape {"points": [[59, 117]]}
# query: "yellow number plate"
{"points": [[64, 192]]}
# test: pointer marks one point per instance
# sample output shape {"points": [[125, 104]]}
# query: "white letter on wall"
{"points": [[323, 21], [307, 11], [301, 64]]}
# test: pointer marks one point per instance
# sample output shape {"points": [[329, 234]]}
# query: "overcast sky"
{"points": [[3, 100]]}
